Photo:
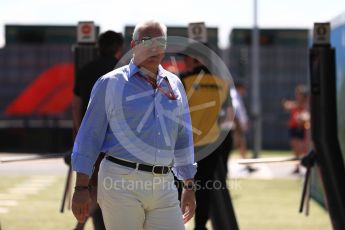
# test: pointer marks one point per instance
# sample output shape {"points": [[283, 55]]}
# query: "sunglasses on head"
{"points": [[149, 41]]}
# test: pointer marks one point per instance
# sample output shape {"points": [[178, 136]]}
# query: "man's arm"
{"points": [[76, 113], [184, 164], [87, 145], [89, 140]]}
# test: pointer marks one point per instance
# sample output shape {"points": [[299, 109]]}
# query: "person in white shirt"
{"points": [[241, 120]]}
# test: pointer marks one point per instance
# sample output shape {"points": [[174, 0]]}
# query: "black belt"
{"points": [[155, 169]]}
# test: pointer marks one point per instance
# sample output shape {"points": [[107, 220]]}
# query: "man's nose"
{"points": [[153, 48]]}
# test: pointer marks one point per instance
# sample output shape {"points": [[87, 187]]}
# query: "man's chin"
{"points": [[156, 58], [151, 61]]}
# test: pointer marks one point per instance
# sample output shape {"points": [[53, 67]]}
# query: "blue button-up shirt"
{"points": [[127, 118]]}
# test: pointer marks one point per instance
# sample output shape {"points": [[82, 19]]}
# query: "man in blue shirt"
{"points": [[138, 115]]}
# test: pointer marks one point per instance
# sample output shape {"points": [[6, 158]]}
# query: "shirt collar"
{"points": [[133, 69]]}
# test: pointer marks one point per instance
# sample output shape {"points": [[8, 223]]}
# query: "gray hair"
{"points": [[151, 23]]}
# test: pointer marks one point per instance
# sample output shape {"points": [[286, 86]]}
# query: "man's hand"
{"points": [[188, 204], [81, 202]]}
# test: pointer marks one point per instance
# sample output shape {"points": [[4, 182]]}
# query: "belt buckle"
{"points": [[161, 173]]}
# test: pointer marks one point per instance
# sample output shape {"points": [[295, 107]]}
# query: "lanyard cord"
{"points": [[154, 85]]}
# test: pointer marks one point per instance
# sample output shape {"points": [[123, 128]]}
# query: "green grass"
{"points": [[10, 181], [274, 204], [39, 211], [259, 204]]}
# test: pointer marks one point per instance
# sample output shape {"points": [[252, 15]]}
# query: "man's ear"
{"points": [[132, 44]]}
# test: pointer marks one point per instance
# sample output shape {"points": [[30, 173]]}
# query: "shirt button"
{"points": [[157, 116], [158, 151], [159, 133]]}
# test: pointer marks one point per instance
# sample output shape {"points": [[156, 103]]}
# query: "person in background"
{"points": [[241, 121], [298, 122], [110, 46], [208, 95]]}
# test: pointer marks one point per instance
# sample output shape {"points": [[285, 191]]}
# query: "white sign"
{"points": [[86, 32], [322, 33], [197, 31]]}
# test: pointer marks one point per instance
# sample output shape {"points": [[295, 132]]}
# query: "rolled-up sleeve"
{"points": [[184, 164], [91, 134]]}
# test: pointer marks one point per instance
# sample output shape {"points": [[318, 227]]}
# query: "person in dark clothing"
{"points": [[208, 96], [110, 46]]}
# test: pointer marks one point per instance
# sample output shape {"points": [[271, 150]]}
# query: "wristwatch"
{"points": [[189, 186], [80, 188]]}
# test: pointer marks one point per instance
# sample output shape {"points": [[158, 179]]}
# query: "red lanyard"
{"points": [[154, 85]]}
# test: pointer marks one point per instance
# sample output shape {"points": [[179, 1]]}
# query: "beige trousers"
{"points": [[135, 200]]}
